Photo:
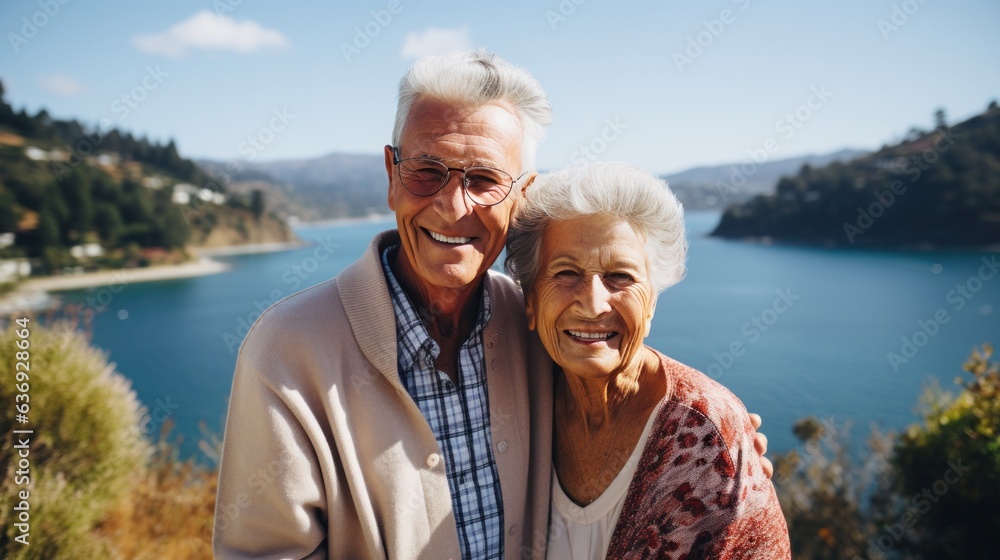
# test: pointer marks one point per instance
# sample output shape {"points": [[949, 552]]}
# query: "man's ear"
{"points": [[519, 197], [388, 173], [528, 181]]}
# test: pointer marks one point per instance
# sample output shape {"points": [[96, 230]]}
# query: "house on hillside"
{"points": [[38, 154], [185, 193], [86, 250], [12, 270]]}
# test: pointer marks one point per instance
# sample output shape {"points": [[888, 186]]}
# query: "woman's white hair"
{"points": [[602, 188], [475, 78]]}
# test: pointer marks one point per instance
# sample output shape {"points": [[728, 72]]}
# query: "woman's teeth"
{"points": [[592, 336]]}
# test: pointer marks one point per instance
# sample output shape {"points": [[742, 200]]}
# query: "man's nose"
{"points": [[452, 199]]}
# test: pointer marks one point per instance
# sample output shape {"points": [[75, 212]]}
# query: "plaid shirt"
{"points": [[459, 416]]}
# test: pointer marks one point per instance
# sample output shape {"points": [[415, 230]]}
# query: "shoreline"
{"points": [[36, 294], [924, 248], [248, 249], [373, 218]]}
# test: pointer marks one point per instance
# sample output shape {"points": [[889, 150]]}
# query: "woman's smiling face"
{"points": [[592, 300]]}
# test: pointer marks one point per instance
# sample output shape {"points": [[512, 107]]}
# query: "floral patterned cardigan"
{"points": [[699, 491]]}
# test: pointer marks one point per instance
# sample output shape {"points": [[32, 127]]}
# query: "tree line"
{"points": [[63, 200], [937, 188]]}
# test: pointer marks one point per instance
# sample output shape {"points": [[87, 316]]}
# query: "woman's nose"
{"points": [[595, 297]]}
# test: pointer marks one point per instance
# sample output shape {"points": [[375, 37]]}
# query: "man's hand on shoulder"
{"points": [[760, 445]]}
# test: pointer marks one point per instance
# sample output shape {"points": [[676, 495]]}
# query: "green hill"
{"points": [[73, 196], [936, 189]]}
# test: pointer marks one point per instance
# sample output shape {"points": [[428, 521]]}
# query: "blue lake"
{"points": [[791, 331]]}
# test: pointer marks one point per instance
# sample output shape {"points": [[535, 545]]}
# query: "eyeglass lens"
{"points": [[424, 177]]}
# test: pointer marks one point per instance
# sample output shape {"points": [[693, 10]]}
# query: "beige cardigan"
{"points": [[325, 453]]}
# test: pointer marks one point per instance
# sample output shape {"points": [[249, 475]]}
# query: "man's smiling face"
{"points": [[448, 241]]}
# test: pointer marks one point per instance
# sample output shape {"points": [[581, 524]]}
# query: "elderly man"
{"points": [[401, 409]]}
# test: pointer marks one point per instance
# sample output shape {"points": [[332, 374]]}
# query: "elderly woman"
{"points": [[651, 457]]}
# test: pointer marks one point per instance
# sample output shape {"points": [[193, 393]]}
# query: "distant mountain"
{"points": [[935, 189], [715, 187], [332, 169], [281, 198], [346, 185], [330, 186]]}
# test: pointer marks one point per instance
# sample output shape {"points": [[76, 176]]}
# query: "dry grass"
{"points": [[168, 512]]}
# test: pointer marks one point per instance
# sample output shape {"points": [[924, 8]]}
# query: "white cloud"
{"points": [[436, 41], [61, 84], [206, 30]]}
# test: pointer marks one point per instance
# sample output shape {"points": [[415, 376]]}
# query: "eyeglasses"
{"points": [[485, 186]]}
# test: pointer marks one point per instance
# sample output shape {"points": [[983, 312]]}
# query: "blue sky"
{"points": [[666, 85]]}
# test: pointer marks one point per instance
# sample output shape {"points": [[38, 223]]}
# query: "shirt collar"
{"points": [[409, 325]]}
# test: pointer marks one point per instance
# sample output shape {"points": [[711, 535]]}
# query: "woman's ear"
{"points": [[649, 317], [529, 309]]}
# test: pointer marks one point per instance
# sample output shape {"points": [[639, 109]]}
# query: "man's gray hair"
{"points": [[602, 188], [475, 78]]}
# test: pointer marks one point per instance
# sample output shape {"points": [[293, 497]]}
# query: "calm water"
{"points": [[791, 331]]}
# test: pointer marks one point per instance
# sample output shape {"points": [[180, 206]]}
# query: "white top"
{"points": [[577, 533]]}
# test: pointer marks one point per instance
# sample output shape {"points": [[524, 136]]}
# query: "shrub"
{"points": [[833, 500], [86, 445], [931, 492], [948, 468]]}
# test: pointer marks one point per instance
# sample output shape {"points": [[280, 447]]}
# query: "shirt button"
{"points": [[502, 446], [433, 459], [513, 528], [489, 344]]}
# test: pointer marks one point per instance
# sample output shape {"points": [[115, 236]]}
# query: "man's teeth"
{"points": [[592, 336], [446, 239]]}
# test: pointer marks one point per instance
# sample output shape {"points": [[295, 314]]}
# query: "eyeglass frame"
{"points": [[396, 160]]}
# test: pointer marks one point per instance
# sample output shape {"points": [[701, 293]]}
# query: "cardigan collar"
{"points": [[364, 293]]}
